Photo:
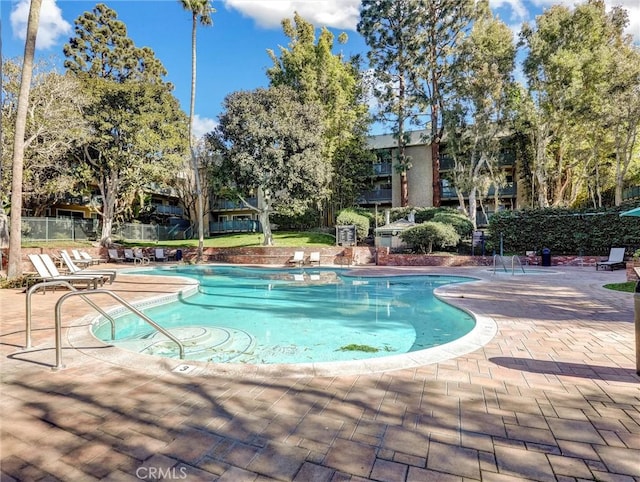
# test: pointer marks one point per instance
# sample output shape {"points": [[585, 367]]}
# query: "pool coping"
{"points": [[80, 337]]}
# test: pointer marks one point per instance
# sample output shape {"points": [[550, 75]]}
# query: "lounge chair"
{"points": [[79, 260], [314, 258], [128, 256], [615, 260], [44, 273], [107, 274], [139, 256], [297, 258], [86, 256], [159, 255], [114, 257]]}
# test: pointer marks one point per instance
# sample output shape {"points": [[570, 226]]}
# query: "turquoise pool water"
{"points": [[254, 315]]}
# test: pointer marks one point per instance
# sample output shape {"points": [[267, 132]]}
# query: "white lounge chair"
{"points": [[44, 273], [128, 256], [297, 259], [86, 256], [314, 258], [109, 274], [615, 260], [79, 260]]}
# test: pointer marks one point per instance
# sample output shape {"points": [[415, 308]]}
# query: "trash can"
{"points": [[546, 257], [178, 255]]}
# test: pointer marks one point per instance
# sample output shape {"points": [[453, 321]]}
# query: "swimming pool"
{"points": [[290, 316]]}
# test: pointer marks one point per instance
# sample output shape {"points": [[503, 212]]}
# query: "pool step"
{"points": [[214, 344]]}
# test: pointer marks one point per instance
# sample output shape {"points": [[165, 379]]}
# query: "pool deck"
{"points": [[553, 395]]}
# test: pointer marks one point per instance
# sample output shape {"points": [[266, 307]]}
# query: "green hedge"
{"points": [[348, 217], [564, 231]]}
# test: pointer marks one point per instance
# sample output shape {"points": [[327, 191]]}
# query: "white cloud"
{"points": [[340, 14], [202, 126], [50, 28]]}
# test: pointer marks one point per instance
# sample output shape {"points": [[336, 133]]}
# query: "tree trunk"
{"points": [[14, 268], [196, 171]]}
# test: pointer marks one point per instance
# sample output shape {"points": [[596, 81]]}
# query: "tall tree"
{"points": [[388, 28], [201, 10], [443, 25], [479, 112], [580, 78], [309, 66], [14, 268], [55, 125], [272, 144], [138, 128]]}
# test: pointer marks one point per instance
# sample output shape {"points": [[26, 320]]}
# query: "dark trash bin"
{"points": [[178, 255], [546, 257]]}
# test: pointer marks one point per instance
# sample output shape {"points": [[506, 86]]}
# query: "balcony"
{"points": [[166, 210], [631, 193], [382, 169], [235, 226], [226, 204], [509, 190], [375, 196]]}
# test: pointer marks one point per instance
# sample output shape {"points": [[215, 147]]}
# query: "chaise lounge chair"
{"points": [[297, 259], [615, 261], [159, 255], [114, 257], [44, 273], [314, 258], [107, 274]]}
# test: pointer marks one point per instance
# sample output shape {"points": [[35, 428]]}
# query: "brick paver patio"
{"points": [[552, 397]]}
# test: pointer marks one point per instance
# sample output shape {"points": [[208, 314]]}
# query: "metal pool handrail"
{"points": [[84, 296], [514, 258], [43, 285]]}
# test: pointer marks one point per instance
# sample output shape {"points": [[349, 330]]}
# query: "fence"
{"points": [[76, 229]]}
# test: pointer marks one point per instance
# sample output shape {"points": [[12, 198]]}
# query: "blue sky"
{"points": [[232, 54]]}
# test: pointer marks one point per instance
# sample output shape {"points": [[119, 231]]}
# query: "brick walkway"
{"points": [[553, 396]]}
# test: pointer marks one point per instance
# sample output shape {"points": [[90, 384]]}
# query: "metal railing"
{"points": [[84, 296], [515, 260]]}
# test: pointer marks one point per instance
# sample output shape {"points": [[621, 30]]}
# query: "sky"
{"points": [[232, 53]]}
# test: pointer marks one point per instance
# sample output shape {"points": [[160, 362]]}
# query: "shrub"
{"points": [[350, 217], [565, 231], [460, 222], [423, 237]]}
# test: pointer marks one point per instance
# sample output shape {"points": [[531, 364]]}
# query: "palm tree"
{"points": [[14, 269], [200, 10]]}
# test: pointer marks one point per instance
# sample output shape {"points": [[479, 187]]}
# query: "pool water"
{"points": [[258, 316]]}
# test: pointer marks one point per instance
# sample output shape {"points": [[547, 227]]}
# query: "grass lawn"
{"points": [[236, 240], [628, 286]]}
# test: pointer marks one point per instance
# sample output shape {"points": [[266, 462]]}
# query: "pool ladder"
{"points": [[515, 260], [85, 296]]}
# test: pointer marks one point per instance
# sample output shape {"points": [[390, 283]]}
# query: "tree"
{"points": [[200, 10], [54, 126], [582, 78], [14, 268], [139, 131], [443, 24], [318, 75], [480, 109], [272, 144], [388, 28]]}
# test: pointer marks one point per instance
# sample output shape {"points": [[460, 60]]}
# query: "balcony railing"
{"points": [[631, 192], [168, 210], [221, 204], [508, 190], [382, 169], [236, 226], [375, 196]]}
